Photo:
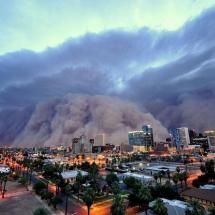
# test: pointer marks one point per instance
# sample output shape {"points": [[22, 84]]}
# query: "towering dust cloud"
{"points": [[56, 122]]}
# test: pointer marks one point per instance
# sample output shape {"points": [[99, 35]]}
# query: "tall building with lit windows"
{"points": [[136, 138], [148, 135], [142, 138], [180, 137]]}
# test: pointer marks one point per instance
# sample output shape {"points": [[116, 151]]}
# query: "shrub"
{"points": [[41, 211], [39, 187]]}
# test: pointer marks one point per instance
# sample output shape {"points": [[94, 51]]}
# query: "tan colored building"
{"points": [[141, 148], [204, 196]]}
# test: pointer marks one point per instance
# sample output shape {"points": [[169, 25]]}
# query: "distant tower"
{"points": [[142, 138], [76, 146], [184, 136], [148, 135], [99, 140], [180, 137]]}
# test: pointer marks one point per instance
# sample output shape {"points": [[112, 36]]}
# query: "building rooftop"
{"points": [[136, 175], [173, 206], [72, 174], [176, 202], [131, 132], [208, 187], [204, 194], [160, 168]]}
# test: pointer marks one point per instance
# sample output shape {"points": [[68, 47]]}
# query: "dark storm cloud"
{"points": [[76, 80], [168, 73], [179, 88]]}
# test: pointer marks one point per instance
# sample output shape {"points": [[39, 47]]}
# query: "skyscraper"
{"points": [[148, 135], [76, 146], [81, 145], [184, 136], [141, 138], [136, 138], [180, 137]]}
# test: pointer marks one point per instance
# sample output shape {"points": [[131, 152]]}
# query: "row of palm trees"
{"points": [[178, 176]]}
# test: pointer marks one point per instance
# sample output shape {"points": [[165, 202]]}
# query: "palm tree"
{"points": [[181, 179], [156, 177], [168, 174], [111, 178], [202, 168], [175, 180], [47, 196], [115, 187], [195, 208], [56, 201], [160, 175], [88, 198], [144, 197], [160, 208], [118, 206], [185, 176], [13, 161], [31, 168], [178, 169], [94, 176]]}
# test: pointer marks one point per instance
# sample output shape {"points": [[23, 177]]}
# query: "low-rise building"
{"points": [[70, 175], [208, 187], [145, 179], [205, 196], [155, 169]]}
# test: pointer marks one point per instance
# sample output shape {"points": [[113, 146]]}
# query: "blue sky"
{"points": [[38, 24]]}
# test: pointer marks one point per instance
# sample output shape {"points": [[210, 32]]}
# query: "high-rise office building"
{"points": [[136, 138], [148, 135], [81, 145], [76, 146], [175, 137], [184, 136], [141, 138], [180, 137]]}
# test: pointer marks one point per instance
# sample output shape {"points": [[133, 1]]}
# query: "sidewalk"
{"points": [[44, 204]]}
